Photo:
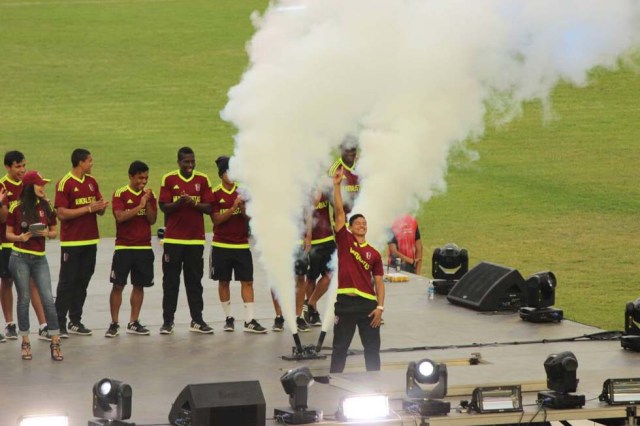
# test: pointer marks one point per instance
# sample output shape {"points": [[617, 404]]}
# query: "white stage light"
{"points": [[363, 407], [44, 420]]}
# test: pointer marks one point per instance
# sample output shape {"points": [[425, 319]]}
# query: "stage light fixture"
{"points": [[363, 407], [111, 403], [631, 338], [296, 384], [540, 295], [621, 391], [44, 420], [448, 264], [497, 399], [426, 402], [562, 380]]}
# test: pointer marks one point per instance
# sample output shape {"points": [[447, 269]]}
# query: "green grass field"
{"points": [[138, 79]]}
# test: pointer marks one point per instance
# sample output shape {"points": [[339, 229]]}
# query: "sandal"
{"points": [[56, 353], [26, 351]]}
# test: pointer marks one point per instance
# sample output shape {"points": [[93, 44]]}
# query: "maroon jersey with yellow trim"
{"points": [[35, 245], [13, 189], [350, 184], [357, 264], [135, 232], [186, 224], [321, 230], [235, 230], [74, 193]]}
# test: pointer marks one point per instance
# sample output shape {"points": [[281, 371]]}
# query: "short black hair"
{"points": [[222, 163], [185, 150], [354, 217], [13, 157], [78, 155], [137, 167]]}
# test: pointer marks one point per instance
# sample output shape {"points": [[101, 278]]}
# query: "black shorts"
{"points": [[5, 254], [225, 261], [301, 264], [138, 262], [319, 259]]}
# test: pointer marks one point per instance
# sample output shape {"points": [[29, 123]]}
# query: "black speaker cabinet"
{"points": [[220, 404], [489, 287]]}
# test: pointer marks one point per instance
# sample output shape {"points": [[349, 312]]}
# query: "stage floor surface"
{"points": [[158, 367]]}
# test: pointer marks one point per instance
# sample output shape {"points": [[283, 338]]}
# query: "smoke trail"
{"points": [[411, 78]]}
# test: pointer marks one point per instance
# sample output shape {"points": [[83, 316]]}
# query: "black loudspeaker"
{"points": [[489, 287], [220, 404]]}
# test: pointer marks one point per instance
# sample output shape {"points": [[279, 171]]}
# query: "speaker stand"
{"points": [[297, 417]]}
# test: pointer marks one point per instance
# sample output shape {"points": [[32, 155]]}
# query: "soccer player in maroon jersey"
{"points": [[323, 246], [185, 196], [347, 163], [135, 210], [359, 303], [78, 202], [230, 252], [11, 186]]}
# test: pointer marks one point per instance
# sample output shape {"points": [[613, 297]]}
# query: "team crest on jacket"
{"points": [[41, 213], [197, 187], [368, 256], [336, 319], [91, 187]]}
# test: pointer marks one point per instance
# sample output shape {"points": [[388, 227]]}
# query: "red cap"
{"points": [[34, 178]]}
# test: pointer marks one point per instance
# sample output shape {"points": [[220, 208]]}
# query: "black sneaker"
{"points": [[200, 327], [43, 333], [11, 331], [278, 324], [254, 326], [302, 324], [167, 328], [64, 334], [229, 324], [315, 319], [136, 328], [79, 328], [113, 330]]}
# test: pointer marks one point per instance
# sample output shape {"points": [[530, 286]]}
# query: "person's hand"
{"points": [[98, 205], [145, 197], [238, 202], [185, 198], [338, 177], [3, 194], [42, 233], [25, 237], [376, 317]]}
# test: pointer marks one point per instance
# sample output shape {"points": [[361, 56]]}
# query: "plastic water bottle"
{"points": [[398, 264], [431, 291]]}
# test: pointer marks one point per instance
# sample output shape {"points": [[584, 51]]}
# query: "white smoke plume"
{"points": [[410, 78]]}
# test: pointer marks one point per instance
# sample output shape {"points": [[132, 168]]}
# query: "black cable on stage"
{"points": [[600, 336]]}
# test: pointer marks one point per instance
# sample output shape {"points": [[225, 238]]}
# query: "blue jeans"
{"points": [[23, 268]]}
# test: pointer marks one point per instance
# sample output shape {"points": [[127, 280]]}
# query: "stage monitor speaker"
{"points": [[220, 404], [489, 287]]}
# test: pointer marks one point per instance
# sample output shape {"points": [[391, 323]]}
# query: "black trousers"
{"points": [[77, 264], [188, 259], [352, 312]]}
